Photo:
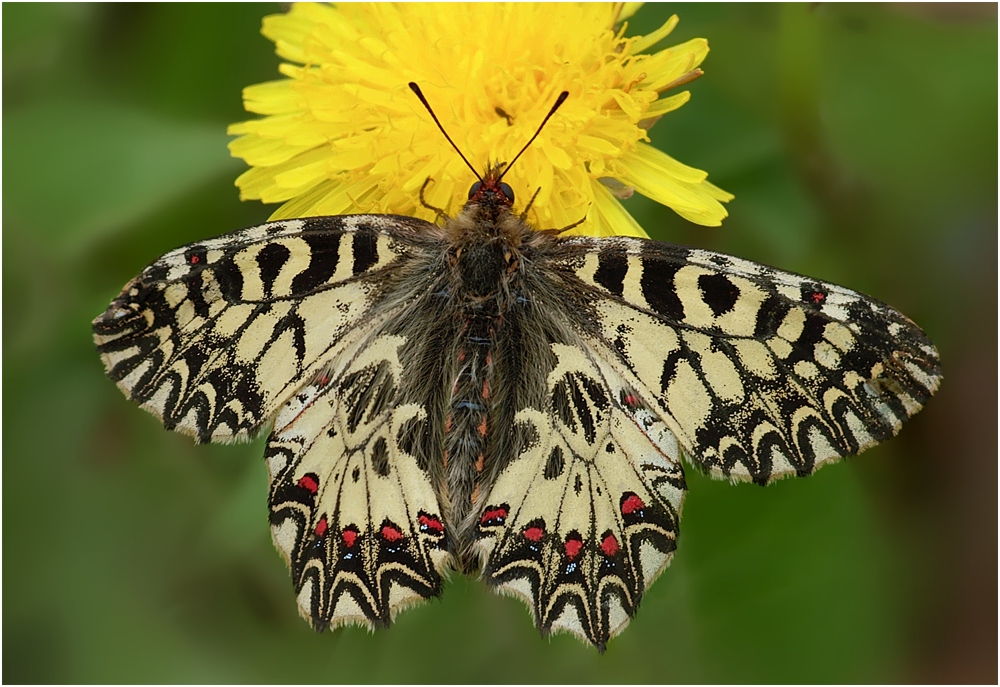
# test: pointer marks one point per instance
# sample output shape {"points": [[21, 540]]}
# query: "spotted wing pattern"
{"points": [[586, 517], [352, 510], [214, 337], [759, 373]]}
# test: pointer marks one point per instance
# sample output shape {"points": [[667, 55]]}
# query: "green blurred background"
{"points": [[860, 142]]}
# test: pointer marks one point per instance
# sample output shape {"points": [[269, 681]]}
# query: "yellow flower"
{"points": [[343, 133]]}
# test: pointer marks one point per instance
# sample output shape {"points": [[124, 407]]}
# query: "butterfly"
{"points": [[484, 396]]}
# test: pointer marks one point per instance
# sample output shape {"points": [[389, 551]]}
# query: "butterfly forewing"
{"points": [[212, 338], [760, 373]]}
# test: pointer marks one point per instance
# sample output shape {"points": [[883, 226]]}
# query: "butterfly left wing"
{"points": [[213, 337], [583, 520], [353, 510]]}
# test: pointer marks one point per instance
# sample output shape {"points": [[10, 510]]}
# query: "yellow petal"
{"points": [[649, 40], [263, 152], [669, 104], [612, 215], [667, 65], [647, 160]]}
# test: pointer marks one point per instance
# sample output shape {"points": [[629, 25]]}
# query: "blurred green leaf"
{"points": [[36, 36], [79, 171]]}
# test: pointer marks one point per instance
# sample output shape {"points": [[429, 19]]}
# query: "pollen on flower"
{"points": [[343, 133]]}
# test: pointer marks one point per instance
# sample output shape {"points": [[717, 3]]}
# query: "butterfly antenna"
{"points": [[559, 101], [416, 89]]}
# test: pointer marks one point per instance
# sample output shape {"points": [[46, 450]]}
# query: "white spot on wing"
{"points": [[304, 598], [285, 534], [569, 620], [653, 562]]}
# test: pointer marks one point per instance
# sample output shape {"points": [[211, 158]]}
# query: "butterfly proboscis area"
{"points": [[502, 400]]}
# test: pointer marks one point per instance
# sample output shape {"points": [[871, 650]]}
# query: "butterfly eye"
{"points": [[507, 191], [475, 188]]}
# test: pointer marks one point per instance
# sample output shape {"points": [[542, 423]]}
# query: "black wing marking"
{"points": [[583, 520]]}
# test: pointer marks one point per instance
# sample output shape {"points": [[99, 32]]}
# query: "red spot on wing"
{"points": [[818, 297], [195, 259], [391, 534], [486, 388], [429, 522], [631, 400], [499, 514], [321, 527], [573, 546], [309, 483], [534, 533], [631, 504], [610, 545], [349, 536]]}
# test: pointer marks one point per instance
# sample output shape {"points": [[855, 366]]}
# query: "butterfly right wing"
{"points": [[586, 515], [759, 373], [215, 336]]}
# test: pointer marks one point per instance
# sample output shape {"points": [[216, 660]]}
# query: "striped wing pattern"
{"points": [[759, 373], [537, 432], [352, 511], [214, 337]]}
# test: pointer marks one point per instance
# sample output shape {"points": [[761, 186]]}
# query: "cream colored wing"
{"points": [[214, 337], [583, 520], [759, 373], [353, 510]]}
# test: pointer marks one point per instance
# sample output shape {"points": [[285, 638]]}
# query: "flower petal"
{"points": [[611, 216], [342, 132], [643, 43]]}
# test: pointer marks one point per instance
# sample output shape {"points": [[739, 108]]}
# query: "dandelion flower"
{"points": [[343, 133]]}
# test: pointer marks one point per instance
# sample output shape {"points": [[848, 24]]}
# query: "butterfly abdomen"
{"points": [[468, 420]]}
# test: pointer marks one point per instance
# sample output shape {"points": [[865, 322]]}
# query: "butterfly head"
{"points": [[491, 191], [490, 198]]}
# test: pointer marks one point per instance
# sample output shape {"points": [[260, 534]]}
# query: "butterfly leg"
{"points": [[524, 213], [441, 215], [571, 226]]}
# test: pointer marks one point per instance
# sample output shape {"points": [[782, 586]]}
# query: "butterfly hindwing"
{"points": [[352, 510], [760, 373], [213, 337], [586, 516]]}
